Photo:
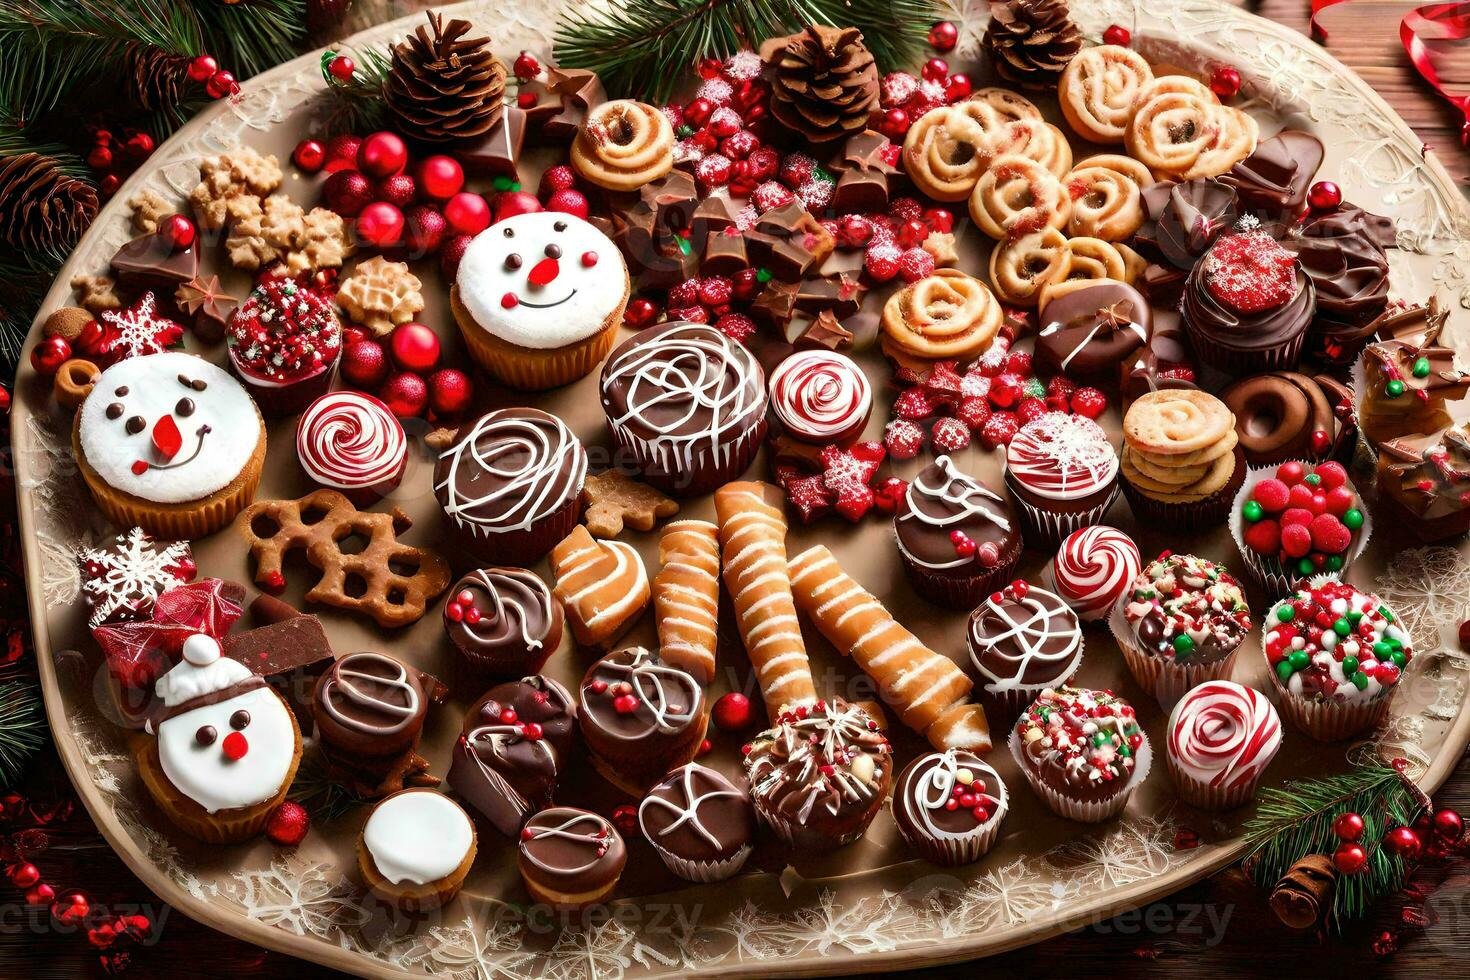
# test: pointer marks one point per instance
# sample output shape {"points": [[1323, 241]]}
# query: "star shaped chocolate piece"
{"points": [[825, 333], [203, 299], [580, 90], [776, 305]]}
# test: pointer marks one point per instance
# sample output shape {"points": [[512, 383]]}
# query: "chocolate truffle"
{"points": [[370, 704], [640, 717], [948, 806], [503, 620], [1089, 331], [699, 822], [1082, 751], [570, 858], [820, 774], [510, 752], [1022, 639], [942, 510], [688, 402]]}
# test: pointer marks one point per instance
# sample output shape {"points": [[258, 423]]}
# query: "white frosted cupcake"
{"points": [[948, 806], [699, 822], [1222, 736]]}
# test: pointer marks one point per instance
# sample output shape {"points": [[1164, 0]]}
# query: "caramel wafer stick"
{"points": [[686, 597]]}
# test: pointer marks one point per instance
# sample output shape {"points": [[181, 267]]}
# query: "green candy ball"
{"points": [[1342, 627], [1349, 665], [1304, 566], [1298, 659], [1421, 367], [1334, 563], [1285, 614], [1252, 511], [1353, 519], [1394, 388], [1360, 680], [1284, 670]]}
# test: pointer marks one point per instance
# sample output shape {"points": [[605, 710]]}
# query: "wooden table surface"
{"points": [[1214, 928]]}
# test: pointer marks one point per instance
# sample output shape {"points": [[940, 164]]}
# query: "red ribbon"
{"points": [[1437, 22], [1319, 33]]}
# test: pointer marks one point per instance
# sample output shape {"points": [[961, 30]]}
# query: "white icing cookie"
{"points": [[417, 836], [168, 427], [233, 753], [542, 280]]}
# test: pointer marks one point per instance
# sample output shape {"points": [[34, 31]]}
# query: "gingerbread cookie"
{"points": [[614, 500]]}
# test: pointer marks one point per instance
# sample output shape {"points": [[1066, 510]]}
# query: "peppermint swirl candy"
{"points": [[1224, 734], [820, 396], [1093, 567], [1061, 456], [349, 440]]}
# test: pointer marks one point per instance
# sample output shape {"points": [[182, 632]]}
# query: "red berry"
{"points": [[974, 412], [1330, 535], [1018, 362], [1263, 537], [48, 355], [309, 156], [732, 712], [569, 201], [950, 435], [341, 68], [888, 493], [915, 264], [380, 225], [715, 291], [1333, 474], [1296, 540], [903, 439], [640, 313], [736, 326], [1225, 82], [999, 430], [202, 68], [1271, 494], [943, 36], [1118, 35], [1089, 402], [882, 262], [525, 66], [221, 84]]}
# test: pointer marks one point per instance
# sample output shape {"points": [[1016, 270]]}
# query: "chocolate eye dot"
{"points": [[559, 226], [512, 261], [553, 251], [510, 233], [115, 410], [135, 425], [185, 407], [206, 735], [198, 385], [239, 719], [589, 259], [121, 392]]}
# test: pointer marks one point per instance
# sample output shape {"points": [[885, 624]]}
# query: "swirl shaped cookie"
{"points": [[1099, 88], [1021, 267], [945, 316], [1018, 196], [1034, 139], [1107, 196], [351, 442], [623, 145], [944, 151], [821, 397], [1222, 736], [1180, 131]]}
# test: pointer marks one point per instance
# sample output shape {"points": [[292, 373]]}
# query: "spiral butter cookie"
{"points": [[1001, 105], [623, 145], [1107, 196], [1180, 131], [945, 316], [1019, 268], [944, 153], [1181, 461], [1034, 139], [1018, 196], [1099, 88]]}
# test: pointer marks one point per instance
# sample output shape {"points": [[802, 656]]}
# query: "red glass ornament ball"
{"points": [[1119, 35], [943, 36], [380, 225], [382, 154], [1404, 842], [640, 313], [958, 87], [414, 347], [732, 712], [289, 824], [180, 231], [365, 365], [108, 185], [220, 85], [526, 65], [1348, 826], [1225, 81], [935, 69], [440, 177], [40, 894], [99, 157], [1324, 195], [511, 203], [450, 254], [202, 68], [347, 192], [467, 213], [48, 355], [23, 875], [398, 190], [406, 395], [71, 908], [1350, 858], [1448, 825], [895, 123], [309, 156], [342, 152], [451, 392], [342, 68]]}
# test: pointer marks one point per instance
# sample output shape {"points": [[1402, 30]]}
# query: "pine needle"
{"points": [[325, 799], [22, 728], [358, 105]]}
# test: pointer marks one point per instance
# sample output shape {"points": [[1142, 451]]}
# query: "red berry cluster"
{"points": [[893, 243], [115, 156], [1304, 520], [846, 484], [904, 98], [721, 129], [721, 301], [462, 609], [406, 375], [990, 401], [624, 701]]}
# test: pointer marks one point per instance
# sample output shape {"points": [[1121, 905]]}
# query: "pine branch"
{"points": [[22, 728], [325, 799], [643, 47], [358, 105], [1296, 820], [253, 35]]}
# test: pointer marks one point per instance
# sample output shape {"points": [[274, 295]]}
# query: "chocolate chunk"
{"points": [[207, 304], [498, 152], [724, 253], [291, 655], [842, 294], [1272, 182], [863, 174], [825, 333], [1182, 221], [151, 262]]}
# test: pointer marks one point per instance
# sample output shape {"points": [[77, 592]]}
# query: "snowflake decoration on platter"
{"points": [[306, 899], [1427, 588], [137, 330], [1133, 851], [122, 576]]}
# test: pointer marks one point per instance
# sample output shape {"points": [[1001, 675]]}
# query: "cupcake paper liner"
{"points": [[1244, 362], [704, 872], [1199, 793], [522, 546], [532, 369], [1268, 573], [1084, 811], [1201, 514], [966, 849], [1047, 528], [1166, 680], [704, 471]]}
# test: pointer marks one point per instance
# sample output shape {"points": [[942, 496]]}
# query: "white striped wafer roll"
{"points": [[753, 542], [602, 585], [686, 597], [927, 690]]}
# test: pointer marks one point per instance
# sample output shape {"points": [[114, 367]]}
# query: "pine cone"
{"points": [[156, 78], [41, 207], [825, 82], [1030, 41], [445, 87]]}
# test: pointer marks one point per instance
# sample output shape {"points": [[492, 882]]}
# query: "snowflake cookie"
{"points": [[122, 576]]}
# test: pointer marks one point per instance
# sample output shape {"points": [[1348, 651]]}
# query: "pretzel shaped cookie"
{"points": [[1107, 196], [623, 145], [391, 582], [1099, 88], [1018, 196], [945, 316]]}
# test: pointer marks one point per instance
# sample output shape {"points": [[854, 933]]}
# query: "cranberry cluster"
{"points": [[1304, 520]]}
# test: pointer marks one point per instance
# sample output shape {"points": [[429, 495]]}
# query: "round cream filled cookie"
{"points": [[538, 298], [171, 443]]}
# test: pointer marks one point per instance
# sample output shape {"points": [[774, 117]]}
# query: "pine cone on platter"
{"points": [[1029, 42], [42, 208], [444, 86], [825, 82]]}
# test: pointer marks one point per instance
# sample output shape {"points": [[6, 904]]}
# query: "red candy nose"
{"points": [[235, 746], [543, 272], [166, 437]]}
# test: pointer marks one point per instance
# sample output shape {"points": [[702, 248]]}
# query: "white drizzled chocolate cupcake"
{"points": [[640, 718], [699, 822], [1063, 473], [948, 806], [689, 404]]}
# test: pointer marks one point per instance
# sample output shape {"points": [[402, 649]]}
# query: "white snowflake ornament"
{"points": [[122, 576]]}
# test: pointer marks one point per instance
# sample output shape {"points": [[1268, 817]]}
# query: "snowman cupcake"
{"points": [[170, 443], [226, 750], [539, 297]]}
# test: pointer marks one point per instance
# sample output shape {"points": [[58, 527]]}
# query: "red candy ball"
{"points": [[181, 232], [1333, 474], [440, 177], [1350, 858], [342, 152], [48, 355], [1404, 842], [525, 66], [382, 154], [625, 818], [467, 213], [1348, 826], [935, 69], [1225, 82], [450, 392], [1340, 500], [406, 395], [512, 203], [309, 156], [1271, 494], [414, 347], [202, 68], [1296, 540], [732, 712], [1118, 34], [1330, 535], [895, 123], [1448, 825], [1291, 472], [221, 84], [364, 364], [71, 909], [289, 824], [1263, 537], [423, 230], [958, 87], [347, 192], [380, 225], [943, 36], [1324, 195], [640, 312], [1300, 495]]}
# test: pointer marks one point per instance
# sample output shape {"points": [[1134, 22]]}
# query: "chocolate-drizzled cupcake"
{"points": [[369, 710], [957, 538], [699, 822], [1063, 473], [948, 806], [571, 858], [640, 718], [1082, 751], [820, 774], [688, 402], [511, 750], [1247, 305], [1022, 640], [503, 620], [511, 485]]}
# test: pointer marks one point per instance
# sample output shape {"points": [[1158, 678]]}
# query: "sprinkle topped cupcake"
{"points": [[1082, 751], [284, 341], [1336, 653]]}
